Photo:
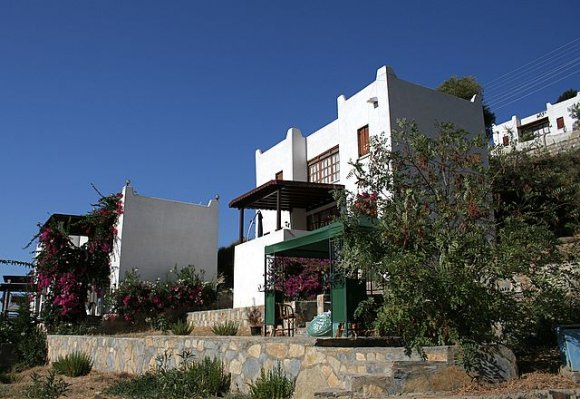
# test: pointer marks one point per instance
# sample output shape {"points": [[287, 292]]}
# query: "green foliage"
{"points": [[29, 340], [226, 328], [74, 364], [566, 95], [574, 111], [273, 384], [466, 87], [452, 274], [225, 266], [540, 189], [182, 327], [190, 380], [49, 387]]}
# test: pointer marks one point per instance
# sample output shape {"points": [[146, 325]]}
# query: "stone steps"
{"points": [[397, 378]]}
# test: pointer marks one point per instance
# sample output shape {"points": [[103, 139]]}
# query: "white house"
{"points": [[548, 126], [294, 179], [154, 235]]}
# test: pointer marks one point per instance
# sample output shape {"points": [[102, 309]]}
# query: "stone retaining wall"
{"points": [[209, 318], [368, 370]]}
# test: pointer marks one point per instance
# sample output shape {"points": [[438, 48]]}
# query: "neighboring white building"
{"points": [[155, 235], [543, 128], [306, 167]]}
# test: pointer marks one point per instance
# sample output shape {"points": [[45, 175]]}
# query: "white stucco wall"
{"points": [[249, 267], [552, 112], [396, 99], [427, 107], [155, 235]]}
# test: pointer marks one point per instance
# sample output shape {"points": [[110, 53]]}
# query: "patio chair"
{"points": [[285, 320]]}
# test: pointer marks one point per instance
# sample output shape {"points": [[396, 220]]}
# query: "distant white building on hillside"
{"points": [[543, 128]]}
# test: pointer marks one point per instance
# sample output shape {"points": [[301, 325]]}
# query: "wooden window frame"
{"points": [[560, 123], [362, 135], [325, 174]]}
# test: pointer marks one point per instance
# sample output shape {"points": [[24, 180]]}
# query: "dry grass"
{"points": [[527, 382], [86, 387]]}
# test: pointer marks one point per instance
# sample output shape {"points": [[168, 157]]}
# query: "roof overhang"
{"points": [[73, 224], [293, 194]]}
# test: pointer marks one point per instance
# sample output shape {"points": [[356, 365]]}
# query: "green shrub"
{"points": [[190, 380], [50, 387], [74, 364], [273, 384], [23, 334], [227, 328], [182, 327]]}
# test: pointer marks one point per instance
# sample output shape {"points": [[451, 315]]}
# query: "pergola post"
{"points": [[241, 231], [278, 211]]}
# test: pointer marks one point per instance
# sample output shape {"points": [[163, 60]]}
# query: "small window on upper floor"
{"points": [[506, 141], [363, 140], [280, 175], [560, 122]]}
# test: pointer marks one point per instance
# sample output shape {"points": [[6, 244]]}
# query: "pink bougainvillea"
{"points": [[64, 271]]}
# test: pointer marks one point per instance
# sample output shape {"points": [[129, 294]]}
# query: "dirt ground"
{"points": [[93, 385], [86, 387]]}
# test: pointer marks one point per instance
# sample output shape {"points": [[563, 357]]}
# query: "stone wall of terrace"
{"points": [[209, 318], [369, 371]]}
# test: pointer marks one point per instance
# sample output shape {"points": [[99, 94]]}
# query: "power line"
{"points": [[534, 91], [491, 83], [537, 80], [546, 64]]}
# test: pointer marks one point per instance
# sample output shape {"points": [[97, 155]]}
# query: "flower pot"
{"points": [[256, 330]]}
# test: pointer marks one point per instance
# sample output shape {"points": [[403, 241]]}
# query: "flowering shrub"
{"points": [[138, 301], [301, 278], [64, 271], [366, 204]]}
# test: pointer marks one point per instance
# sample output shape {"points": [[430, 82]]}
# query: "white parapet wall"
{"points": [[249, 267], [155, 235]]}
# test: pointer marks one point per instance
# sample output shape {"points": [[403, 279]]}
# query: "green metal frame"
{"points": [[345, 293]]}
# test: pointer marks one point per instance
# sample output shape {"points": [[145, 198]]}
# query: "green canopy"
{"points": [[310, 245]]}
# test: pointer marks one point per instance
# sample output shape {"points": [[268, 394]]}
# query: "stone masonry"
{"points": [[368, 371]]}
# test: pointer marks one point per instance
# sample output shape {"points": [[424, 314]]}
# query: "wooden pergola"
{"points": [[13, 284], [284, 195]]}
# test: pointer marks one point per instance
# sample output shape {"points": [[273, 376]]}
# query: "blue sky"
{"points": [[177, 95]]}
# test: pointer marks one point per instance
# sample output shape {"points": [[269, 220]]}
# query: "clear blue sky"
{"points": [[177, 95]]}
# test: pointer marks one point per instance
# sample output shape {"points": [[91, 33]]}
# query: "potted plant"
{"points": [[254, 316]]}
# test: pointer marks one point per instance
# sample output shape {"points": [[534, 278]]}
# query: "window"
{"points": [[322, 218], [325, 168], [363, 140], [506, 141], [560, 122], [534, 130], [280, 175]]}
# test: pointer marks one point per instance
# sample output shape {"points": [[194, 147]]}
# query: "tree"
{"points": [[541, 188], [574, 111], [225, 264], [566, 95], [466, 87], [445, 262]]}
